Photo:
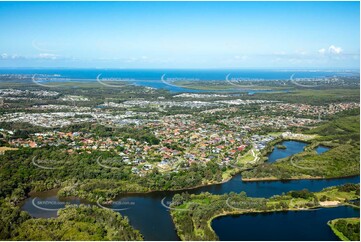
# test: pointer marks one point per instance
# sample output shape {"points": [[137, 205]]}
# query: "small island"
{"points": [[346, 229], [280, 146]]}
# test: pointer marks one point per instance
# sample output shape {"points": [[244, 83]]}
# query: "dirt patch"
{"points": [[329, 203]]}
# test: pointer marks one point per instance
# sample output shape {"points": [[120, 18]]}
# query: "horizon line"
{"points": [[190, 68]]}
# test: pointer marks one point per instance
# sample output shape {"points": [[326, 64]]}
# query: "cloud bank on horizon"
{"points": [[180, 34]]}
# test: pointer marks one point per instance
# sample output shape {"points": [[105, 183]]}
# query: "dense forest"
{"points": [[81, 175], [78, 223], [73, 223], [78, 175]]}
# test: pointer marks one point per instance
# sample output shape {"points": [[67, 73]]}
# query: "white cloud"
{"points": [[334, 50], [4, 56], [331, 50], [322, 51], [41, 56]]}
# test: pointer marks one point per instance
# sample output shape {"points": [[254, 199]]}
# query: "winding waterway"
{"points": [[146, 212], [149, 213]]}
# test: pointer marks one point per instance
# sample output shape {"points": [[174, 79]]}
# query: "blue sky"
{"points": [[180, 34]]}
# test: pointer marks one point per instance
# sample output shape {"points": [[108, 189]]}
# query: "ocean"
{"points": [[161, 78], [202, 74]]}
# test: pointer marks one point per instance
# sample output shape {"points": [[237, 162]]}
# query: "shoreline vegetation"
{"points": [[193, 214], [346, 229], [78, 223], [295, 178], [342, 160], [89, 196]]}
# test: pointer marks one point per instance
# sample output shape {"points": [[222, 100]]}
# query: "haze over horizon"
{"points": [[215, 35]]}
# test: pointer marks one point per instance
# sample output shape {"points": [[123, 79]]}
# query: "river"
{"points": [[149, 213], [146, 212]]}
